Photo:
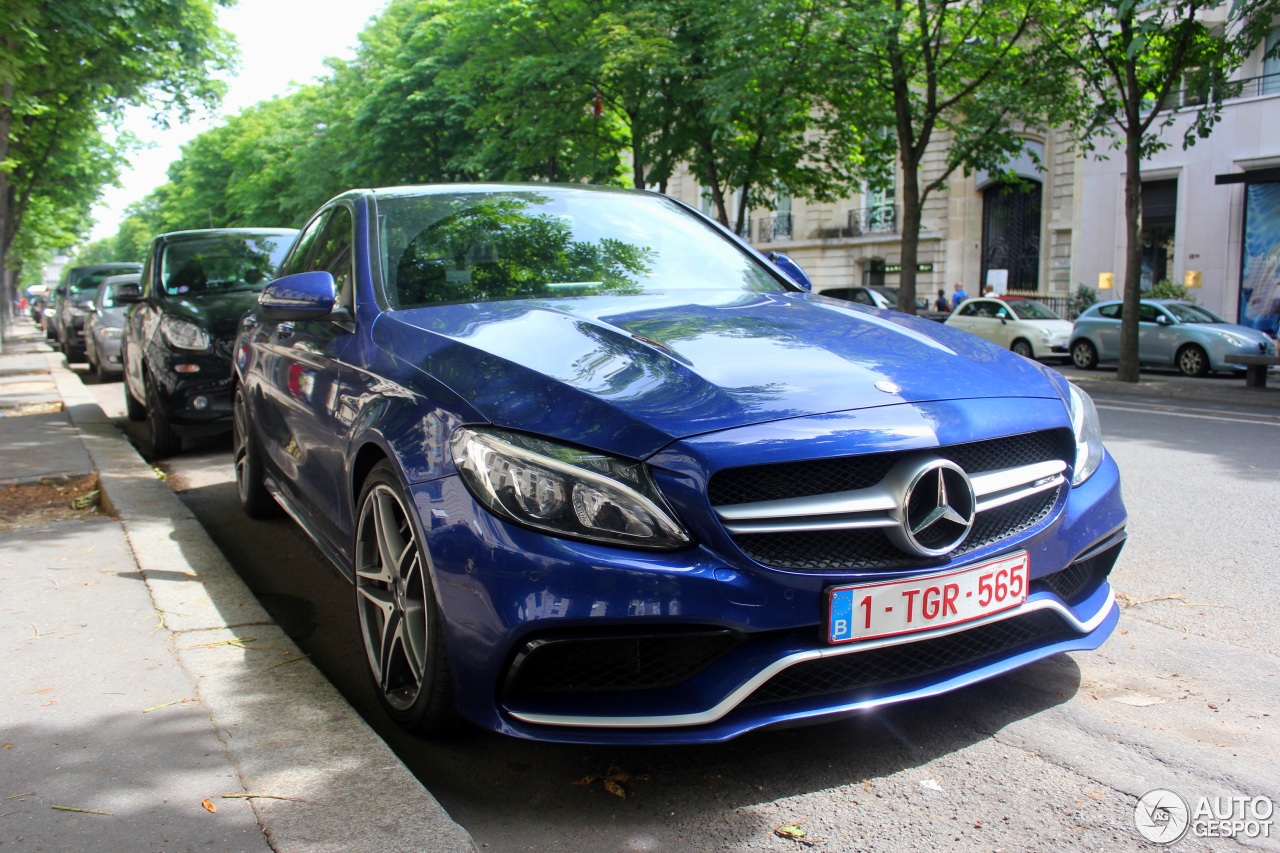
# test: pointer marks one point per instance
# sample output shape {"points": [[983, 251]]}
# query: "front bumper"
{"points": [[705, 644], [194, 389]]}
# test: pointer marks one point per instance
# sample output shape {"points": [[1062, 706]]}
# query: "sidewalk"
{"points": [[1173, 386], [151, 703]]}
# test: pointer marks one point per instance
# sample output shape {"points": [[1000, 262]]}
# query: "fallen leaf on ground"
{"points": [[931, 784], [614, 788], [209, 805], [795, 832], [174, 702], [585, 780], [81, 811]]}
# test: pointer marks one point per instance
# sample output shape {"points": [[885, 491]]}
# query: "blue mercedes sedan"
{"points": [[599, 472]]}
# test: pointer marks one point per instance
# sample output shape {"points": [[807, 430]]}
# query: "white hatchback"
{"points": [[1025, 326]]}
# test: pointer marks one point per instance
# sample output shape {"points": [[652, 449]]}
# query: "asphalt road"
{"points": [[1052, 757]]}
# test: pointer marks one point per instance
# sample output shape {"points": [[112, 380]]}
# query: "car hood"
{"points": [[1256, 336], [628, 374], [219, 313]]}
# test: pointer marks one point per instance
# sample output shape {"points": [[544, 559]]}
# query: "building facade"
{"points": [[1062, 226]]}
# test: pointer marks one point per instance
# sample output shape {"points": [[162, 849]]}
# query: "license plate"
{"points": [[870, 611]]}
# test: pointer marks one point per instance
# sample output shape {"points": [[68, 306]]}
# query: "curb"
{"points": [[335, 785]]}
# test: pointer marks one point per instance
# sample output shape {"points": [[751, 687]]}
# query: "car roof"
{"points": [[415, 190], [209, 232]]}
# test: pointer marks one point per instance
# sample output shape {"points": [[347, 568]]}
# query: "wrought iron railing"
{"points": [[1252, 87], [881, 219], [775, 226]]}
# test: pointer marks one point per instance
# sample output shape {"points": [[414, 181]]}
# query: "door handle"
{"points": [[285, 331]]}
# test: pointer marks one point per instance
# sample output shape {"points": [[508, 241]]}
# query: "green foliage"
{"points": [[1081, 299], [66, 69], [972, 76], [1166, 289]]}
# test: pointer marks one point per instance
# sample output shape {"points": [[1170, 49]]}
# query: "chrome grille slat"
{"points": [[877, 506], [789, 515]]}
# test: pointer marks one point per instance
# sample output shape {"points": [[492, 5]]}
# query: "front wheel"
{"points": [[164, 441], [1022, 348], [1083, 355], [1193, 361], [400, 622], [255, 500]]}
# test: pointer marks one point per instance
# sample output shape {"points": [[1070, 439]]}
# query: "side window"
{"points": [[863, 297], [1111, 312], [1147, 313], [333, 253], [971, 309], [296, 262]]}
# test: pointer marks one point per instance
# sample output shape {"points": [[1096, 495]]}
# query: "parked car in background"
{"points": [[879, 296], [1170, 332], [599, 472], [178, 332], [73, 300], [105, 325], [1025, 326]]}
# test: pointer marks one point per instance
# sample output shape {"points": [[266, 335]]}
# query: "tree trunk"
{"points": [[1128, 367], [6, 125], [912, 210]]}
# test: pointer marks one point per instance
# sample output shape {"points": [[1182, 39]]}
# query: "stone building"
{"points": [[1063, 227]]}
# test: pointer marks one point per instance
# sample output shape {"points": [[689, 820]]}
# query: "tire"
{"points": [[1023, 348], [1084, 355], [1193, 361], [135, 410], [255, 500], [103, 374], [400, 622], [164, 441]]}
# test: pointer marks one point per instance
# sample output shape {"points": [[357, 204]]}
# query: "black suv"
{"points": [[72, 301], [179, 331]]}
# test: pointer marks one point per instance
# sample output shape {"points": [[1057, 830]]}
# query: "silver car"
{"points": [[105, 326], [1170, 332]]}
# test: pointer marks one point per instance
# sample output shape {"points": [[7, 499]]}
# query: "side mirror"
{"points": [[791, 269], [128, 294], [301, 296], [1162, 320]]}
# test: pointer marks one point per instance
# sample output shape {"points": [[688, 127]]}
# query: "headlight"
{"points": [[1234, 340], [182, 334], [565, 491], [111, 332], [1046, 335], [1088, 430]]}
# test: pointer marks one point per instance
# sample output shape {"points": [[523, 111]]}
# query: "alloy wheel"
{"points": [[391, 597]]}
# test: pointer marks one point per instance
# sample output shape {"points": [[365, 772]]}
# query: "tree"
{"points": [[970, 77], [68, 67], [1131, 60]]}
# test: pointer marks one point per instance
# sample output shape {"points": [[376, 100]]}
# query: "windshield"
{"points": [[1029, 309], [221, 263], [891, 294], [85, 282], [1185, 312], [526, 244]]}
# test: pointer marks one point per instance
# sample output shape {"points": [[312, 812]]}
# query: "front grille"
{"points": [[585, 664], [820, 477], [870, 548], [875, 667]]}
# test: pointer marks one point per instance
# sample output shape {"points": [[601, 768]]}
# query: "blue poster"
{"points": [[1260, 278]]}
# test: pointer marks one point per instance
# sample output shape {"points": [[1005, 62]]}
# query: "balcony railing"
{"points": [[1252, 87], [775, 226], [882, 219]]}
